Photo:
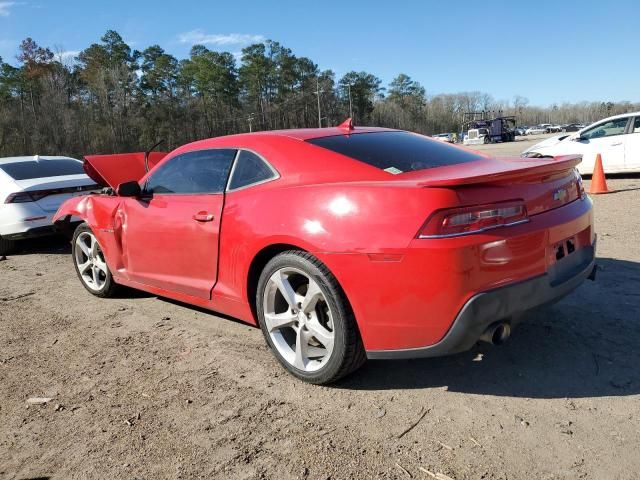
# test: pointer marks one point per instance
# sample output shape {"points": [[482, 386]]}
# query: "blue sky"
{"points": [[544, 50]]}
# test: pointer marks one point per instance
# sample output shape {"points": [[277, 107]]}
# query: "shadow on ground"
{"points": [[587, 345], [53, 244]]}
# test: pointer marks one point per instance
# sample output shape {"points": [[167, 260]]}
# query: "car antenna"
{"points": [[146, 155], [347, 125]]}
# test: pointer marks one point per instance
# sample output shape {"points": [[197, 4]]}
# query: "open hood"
{"points": [[112, 170]]}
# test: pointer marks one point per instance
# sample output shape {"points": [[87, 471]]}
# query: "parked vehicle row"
{"points": [[548, 128], [445, 137], [573, 127], [537, 130]]}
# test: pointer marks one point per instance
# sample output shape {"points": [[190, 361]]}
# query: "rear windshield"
{"points": [[396, 152], [42, 168]]}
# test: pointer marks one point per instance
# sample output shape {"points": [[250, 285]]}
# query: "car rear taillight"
{"points": [[581, 191], [19, 197], [35, 195], [454, 222]]}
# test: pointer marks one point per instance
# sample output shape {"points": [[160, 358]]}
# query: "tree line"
{"points": [[111, 98]]}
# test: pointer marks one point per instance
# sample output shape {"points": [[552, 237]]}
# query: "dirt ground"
{"points": [[142, 387]]}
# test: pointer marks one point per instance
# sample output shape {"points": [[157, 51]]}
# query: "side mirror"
{"points": [[129, 189]]}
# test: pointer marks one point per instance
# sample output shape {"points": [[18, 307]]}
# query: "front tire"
{"points": [[90, 263], [306, 319]]}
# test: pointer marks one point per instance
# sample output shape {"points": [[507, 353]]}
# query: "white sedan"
{"points": [[444, 137], [31, 190], [616, 139], [536, 130]]}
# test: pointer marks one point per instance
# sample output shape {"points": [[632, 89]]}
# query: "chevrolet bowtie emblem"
{"points": [[560, 194]]}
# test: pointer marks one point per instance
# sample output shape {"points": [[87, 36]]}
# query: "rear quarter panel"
{"points": [[404, 292], [337, 223]]}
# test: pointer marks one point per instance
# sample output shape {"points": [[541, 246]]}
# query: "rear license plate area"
{"points": [[563, 249]]}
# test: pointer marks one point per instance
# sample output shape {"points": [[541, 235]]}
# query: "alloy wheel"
{"points": [[298, 319], [90, 261]]}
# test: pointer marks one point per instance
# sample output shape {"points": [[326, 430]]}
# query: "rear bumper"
{"points": [[31, 233], [34, 225], [18, 219], [28, 221], [504, 304]]}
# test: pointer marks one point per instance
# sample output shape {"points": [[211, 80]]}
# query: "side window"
{"points": [[203, 171], [249, 169], [607, 129], [636, 125]]}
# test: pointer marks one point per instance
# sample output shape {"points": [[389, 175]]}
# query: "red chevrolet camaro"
{"points": [[341, 243]]}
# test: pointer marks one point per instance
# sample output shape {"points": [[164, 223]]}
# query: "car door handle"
{"points": [[203, 217], [616, 144]]}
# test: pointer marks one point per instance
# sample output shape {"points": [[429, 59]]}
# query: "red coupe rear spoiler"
{"points": [[494, 170], [112, 170]]}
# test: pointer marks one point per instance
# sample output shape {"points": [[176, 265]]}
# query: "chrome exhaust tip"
{"points": [[496, 334]]}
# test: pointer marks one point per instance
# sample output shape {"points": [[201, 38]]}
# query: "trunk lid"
{"points": [[494, 170], [112, 170], [50, 193], [542, 183]]}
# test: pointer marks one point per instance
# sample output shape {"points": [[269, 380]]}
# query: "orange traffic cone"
{"points": [[598, 181]]}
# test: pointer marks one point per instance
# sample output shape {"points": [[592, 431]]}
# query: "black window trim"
{"points": [[275, 175]]}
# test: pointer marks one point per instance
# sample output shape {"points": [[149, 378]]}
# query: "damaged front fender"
{"points": [[100, 213]]}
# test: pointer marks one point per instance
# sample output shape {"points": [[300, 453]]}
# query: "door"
{"points": [[607, 139], [632, 150], [170, 235]]}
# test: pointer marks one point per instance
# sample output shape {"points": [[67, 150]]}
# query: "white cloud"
{"points": [[218, 39], [5, 8]]}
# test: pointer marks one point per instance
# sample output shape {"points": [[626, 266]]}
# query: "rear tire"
{"points": [[6, 246], [310, 327], [90, 263]]}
